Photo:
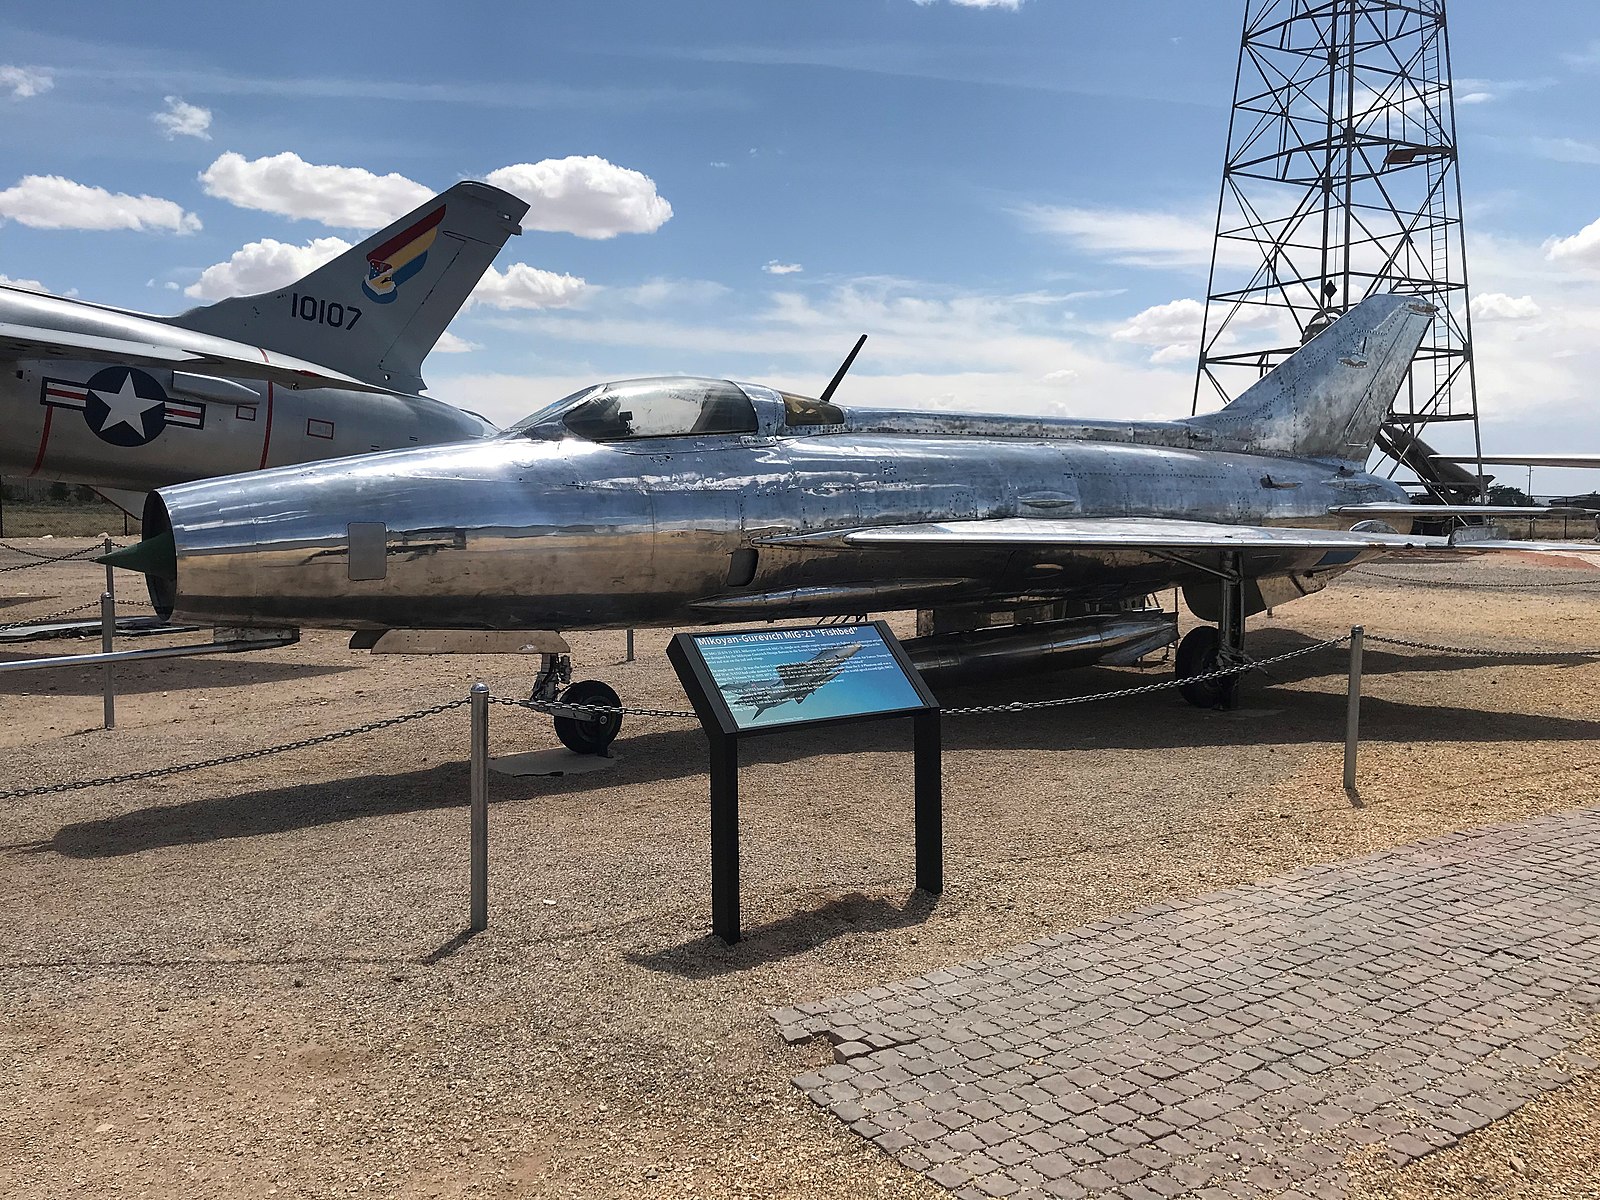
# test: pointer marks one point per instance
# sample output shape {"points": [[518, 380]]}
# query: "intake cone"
{"points": [[155, 556]]}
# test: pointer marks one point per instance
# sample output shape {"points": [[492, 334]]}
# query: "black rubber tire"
{"points": [[1198, 654], [595, 734]]}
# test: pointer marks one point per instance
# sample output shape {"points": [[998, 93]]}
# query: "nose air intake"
{"points": [[155, 556]]}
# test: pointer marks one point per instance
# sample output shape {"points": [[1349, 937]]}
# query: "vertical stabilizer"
{"points": [[376, 310], [1328, 398]]}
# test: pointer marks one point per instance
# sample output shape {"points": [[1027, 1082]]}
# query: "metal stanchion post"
{"points": [[1352, 732], [480, 807], [108, 623], [111, 583], [629, 658]]}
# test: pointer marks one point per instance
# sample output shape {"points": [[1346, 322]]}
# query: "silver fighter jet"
{"points": [[325, 367], [687, 501]]}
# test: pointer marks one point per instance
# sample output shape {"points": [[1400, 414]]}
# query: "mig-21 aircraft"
{"points": [[659, 502], [321, 368]]}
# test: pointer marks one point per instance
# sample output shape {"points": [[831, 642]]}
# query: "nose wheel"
{"points": [[590, 733], [580, 731]]}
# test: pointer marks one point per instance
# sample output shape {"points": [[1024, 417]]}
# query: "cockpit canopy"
{"points": [[663, 407], [648, 408]]}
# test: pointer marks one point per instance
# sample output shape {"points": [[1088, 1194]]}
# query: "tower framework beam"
{"points": [[1342, 181]]}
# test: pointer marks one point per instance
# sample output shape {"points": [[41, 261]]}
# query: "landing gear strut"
{"points": [[1213, 648], [581, 731]]}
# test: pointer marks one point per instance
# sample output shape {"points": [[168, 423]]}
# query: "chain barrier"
{"points": [[547, 707], [1521, 587], [67, 612], [55, 616], [1145, 689], [43, 560], [243, 756], [1478, 652]]}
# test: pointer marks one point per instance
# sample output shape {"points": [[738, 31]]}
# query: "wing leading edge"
{"points": [[23, 341]]}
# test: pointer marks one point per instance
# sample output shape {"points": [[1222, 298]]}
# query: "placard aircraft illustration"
{"points": [[692, 501], [324, 367], [795, 680]]}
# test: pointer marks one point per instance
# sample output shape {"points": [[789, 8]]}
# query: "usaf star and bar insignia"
{"points": [[123, 406]]}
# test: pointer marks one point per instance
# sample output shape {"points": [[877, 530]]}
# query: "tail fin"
{"points": [[376, 310], [1328, 398]]}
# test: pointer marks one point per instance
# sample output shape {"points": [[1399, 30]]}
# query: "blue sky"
{"points": [[1008, 198]]}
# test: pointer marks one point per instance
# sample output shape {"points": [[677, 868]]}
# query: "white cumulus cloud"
{"points": [[25, 82], [263, 267], [1163, 324], [522, 286], [27, 285], [182, 119], [1497, 306], [449, 343], [585, 195], [52, 202], [774, 267], [1582, 249], [269, 264], [343, 197]]}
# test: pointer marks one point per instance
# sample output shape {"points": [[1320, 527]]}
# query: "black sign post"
{"points": [[751, 682]]}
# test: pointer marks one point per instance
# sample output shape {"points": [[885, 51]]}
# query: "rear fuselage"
{"points": [[169, 426]]}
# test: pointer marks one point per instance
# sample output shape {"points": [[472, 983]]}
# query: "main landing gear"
{"points": [[1209, 648], [579, 729]]}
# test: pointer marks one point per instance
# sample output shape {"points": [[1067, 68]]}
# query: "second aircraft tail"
{"points": [[376, 310], [1328, 398]]}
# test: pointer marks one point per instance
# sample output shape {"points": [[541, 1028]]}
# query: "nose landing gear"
{"points": [[580, 730], [591, 733]]}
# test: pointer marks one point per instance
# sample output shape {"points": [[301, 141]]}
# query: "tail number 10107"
{"points": [[324, 312]]}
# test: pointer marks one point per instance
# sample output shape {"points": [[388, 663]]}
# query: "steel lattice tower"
{"points": [[1341, 181]]}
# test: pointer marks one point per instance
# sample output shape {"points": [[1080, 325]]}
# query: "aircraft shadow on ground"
{"points": [[134, 679], [708, 957], [1159, 721], [260, 813]]}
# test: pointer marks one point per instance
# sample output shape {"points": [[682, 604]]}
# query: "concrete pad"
{"points": [[559, 761]]}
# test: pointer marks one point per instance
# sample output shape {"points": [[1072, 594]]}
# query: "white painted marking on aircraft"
{"points": [[126, 407]]}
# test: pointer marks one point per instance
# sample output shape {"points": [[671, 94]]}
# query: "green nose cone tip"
{"points": [[155, 556]]}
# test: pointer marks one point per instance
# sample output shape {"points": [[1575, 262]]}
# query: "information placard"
{"points": [[749, 682], [779, 677]]}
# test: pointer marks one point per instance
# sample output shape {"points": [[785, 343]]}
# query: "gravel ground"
{"points": [[1550, 1150], [253, 978]]}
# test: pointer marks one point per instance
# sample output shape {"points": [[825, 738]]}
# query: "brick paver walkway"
{"points": [[1242, 1044]]}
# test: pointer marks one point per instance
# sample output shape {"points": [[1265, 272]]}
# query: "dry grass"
{"points": [[31, 520], [252, 977]]}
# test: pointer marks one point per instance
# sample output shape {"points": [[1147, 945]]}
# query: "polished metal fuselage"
{"points": [[556, 532], [226, 426]]}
